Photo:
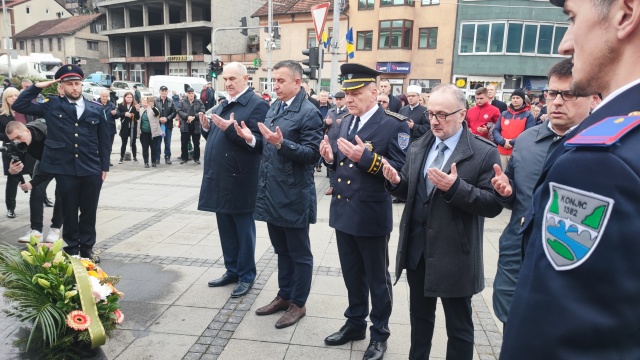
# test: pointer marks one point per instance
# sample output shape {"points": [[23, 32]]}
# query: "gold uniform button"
{"points": [[339, 180], [341, 163], [338, 196], [350, 165], [76, 155], [349, 182], [76, 145], [76, 135], [76, 124]]}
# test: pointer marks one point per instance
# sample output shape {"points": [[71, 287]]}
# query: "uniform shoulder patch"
{"points": [[605, 132], [485, 140], [345, 115], [572, 225], [396, 115]]}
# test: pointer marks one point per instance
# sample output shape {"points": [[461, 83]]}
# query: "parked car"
{"points": [[93, 92], [121, 87], [179, 84]]}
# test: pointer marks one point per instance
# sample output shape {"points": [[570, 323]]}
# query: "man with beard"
{"points": [[76, 152], [577, 295]]}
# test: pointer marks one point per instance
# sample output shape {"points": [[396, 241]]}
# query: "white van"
{"points": [[177, 83]]}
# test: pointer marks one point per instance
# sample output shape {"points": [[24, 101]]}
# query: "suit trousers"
{"points": [[79, 192], [457, 312], [365, 269], [238, 239], [295, 262], [11, 191]]}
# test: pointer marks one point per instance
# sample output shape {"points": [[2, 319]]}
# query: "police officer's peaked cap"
{"points": [[357, 76], [559, 3], [69, 72]]}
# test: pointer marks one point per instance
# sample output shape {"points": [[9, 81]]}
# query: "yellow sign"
{"points": [[461, 82], [178, 58]]}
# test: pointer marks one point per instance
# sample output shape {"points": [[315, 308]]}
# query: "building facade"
{"points": [[508, 43], [76, 36], [22, 14], [410, 41], [149, 37]]}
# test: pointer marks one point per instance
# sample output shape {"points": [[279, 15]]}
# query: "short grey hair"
{"points": [[105, 91], [28, 81], [451, 90], [293, 66], [602, 7]]}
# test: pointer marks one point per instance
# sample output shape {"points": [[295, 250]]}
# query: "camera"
{"points": [[17, 152]]}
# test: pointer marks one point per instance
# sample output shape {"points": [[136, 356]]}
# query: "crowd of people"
{"points": [[566, 166]]}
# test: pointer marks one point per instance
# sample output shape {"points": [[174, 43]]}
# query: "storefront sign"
{"points": [[178, 58], [251, 69], [394, 67]]}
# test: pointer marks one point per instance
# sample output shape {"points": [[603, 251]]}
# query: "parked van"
{"points": [[178, 83], [99, 78]]}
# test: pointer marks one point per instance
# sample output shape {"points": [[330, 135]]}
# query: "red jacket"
{"points": [[480, 115]]}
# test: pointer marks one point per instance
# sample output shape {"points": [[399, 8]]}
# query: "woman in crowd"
{"points": [[9, 96], [128, 110], [111, 113], [149, 130]]}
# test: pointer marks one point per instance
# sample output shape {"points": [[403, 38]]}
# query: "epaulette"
{"points": [[605, 132], [485, 140], [396, 115], [345, 115]]}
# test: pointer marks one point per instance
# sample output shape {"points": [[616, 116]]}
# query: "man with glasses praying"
{"points": [[514, 187], [446, 181], [383, 100]]}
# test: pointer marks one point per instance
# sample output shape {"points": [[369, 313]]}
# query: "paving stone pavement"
{"points": [[151, 233]]}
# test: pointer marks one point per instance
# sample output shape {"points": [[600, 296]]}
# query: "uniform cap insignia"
{"points": [[70, 67], [349, 76], [368, 145], [573, 224], [403, 140]]}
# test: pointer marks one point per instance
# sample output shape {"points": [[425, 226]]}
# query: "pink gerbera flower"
{"points": [[119, 316], [78, 320]]}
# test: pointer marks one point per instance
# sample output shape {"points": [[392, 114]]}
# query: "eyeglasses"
{"points": [[566, 95], [382, 102], [442, 117]]}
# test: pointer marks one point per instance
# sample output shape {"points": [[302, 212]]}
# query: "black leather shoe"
{"points": [[346, 334], [197, 161], [88, 253], [167, 161], [184, 162], [225, 279], [47, 202], [146, 166], [153, 164], [11, 214], [241, 289], [375, 351]]}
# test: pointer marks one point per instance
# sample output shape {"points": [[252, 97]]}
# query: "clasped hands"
{"points": [[438, 178], [353, 152]]}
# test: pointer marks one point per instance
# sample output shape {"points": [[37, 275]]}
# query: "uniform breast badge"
{"points": [[368, 145]]}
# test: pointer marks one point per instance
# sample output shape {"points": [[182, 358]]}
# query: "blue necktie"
{"points": [[354, 129], [283, 107], [437, 163]]}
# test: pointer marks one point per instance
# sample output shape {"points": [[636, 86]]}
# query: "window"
{"points": [[425, 84], [33, 46], [137, 73], [21, 44], [311, 38], [28, 10], [98, 25], [59, 44], [430, 2], [428, 38], [92, 45], [526, 38], [396, 2], [50, 44], [365, 4], [395, 34], [41, 45], [365, 40]]}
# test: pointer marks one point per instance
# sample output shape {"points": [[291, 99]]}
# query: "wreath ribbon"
{"points": [[85, 291]]}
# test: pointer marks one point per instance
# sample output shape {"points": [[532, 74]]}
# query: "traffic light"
{"points": [[243, 23], [341, 79], [215, 69], [312, 62]]}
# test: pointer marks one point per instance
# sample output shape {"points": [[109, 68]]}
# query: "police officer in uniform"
{"points": [[361, 210], [577, 295], [76, 152]]}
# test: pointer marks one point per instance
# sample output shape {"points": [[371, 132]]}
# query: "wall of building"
{"points": [[228, 14], [39, 10]]}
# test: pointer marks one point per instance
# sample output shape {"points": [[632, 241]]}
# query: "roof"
{"points": [[283, 7], [12, 3], [64, 26]]}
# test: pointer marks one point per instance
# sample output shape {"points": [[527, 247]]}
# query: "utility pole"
{"points": [[269, 45], [334, 45], [6, 37]]}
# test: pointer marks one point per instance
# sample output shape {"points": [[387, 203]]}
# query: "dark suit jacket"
{"points": [[394, 104], [359, 205], [420, 123], [591, 310], [453, 247], [77, 147]]}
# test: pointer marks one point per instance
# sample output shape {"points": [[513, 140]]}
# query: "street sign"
{"points": [[319, 14], [257, 62]]}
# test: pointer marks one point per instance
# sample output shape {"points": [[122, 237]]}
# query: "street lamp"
{"points": [[6, 37]]}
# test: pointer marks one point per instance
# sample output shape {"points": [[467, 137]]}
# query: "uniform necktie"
{"points": [[437, 163], [354, 129]]}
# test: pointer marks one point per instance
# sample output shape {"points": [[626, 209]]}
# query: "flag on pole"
{"points": [[325, 39], [350, 48]]}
